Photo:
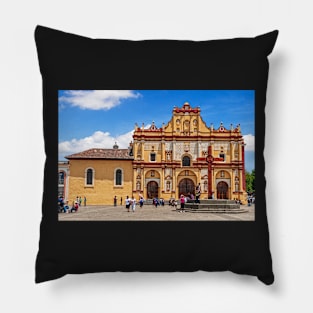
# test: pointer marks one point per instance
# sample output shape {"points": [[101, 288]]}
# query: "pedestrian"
{"points": [[127, 203], [141, 202], [134, 204], [66, 207], [60, 204], [115, 200], [75, 207], [198, 193], [121, 200], [182, 204], [85, 200]]}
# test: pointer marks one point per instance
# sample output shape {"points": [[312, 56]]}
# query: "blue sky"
{"points": [[99, 118]]}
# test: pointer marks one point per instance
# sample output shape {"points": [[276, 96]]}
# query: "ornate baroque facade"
{"points": [[166, 162]]}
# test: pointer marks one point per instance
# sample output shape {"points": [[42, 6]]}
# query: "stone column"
{"points": [[232, 150], [210, 160], [163, 156], [162, 179], [134, 187], [174, 182]]}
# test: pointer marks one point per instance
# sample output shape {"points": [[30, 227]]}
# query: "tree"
{"points": [[250, 181]]}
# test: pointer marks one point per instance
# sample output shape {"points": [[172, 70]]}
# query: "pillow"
{"points": [[203, 237]]}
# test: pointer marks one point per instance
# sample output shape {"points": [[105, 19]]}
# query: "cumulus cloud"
{"points": [[249, 141], [98, 139], [96, 99]]}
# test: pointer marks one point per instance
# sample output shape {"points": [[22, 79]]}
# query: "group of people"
{"points": [[63, 206], [115, 200], [250, 200], [238, 201], [157, 201], [131, 203]]}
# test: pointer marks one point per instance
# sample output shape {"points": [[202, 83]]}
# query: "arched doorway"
{"points": [[152, 190], [222, 190], [186, 187]]}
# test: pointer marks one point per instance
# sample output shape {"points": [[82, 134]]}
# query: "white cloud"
{"points": [[98, 139], [249, 141], [96, 99]]}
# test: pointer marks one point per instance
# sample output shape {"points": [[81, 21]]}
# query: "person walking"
{"points": [[141, 202], [182, 204], [198, 193], [115, 200], [134, 204], [85, 200], [127, 203]]}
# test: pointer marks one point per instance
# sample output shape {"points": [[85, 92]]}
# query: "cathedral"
{"points": [[164, 162]]}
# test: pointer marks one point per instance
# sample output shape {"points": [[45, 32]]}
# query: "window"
{"points": [[152, 157], [61, 178], [89, 176], [186, 161], [118, 177]]}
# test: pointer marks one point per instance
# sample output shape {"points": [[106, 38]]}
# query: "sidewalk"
{"points": [[150, 213]]}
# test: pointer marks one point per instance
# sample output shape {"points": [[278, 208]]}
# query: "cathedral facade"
{"points": [[164, 162]]}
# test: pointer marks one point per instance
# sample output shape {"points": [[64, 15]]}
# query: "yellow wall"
{"points": [[103, 189]]}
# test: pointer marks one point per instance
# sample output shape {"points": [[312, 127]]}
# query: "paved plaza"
{"points": [[150, 213]]}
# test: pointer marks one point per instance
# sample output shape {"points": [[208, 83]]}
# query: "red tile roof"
{"points": [[98, 153]]}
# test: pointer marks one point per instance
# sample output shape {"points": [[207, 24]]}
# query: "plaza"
{"points": [[151, 213]]}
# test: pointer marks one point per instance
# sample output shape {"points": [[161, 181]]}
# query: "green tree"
{"points": [[250, 181]]}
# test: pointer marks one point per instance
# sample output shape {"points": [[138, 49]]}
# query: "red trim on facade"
{"points": [[209, 173], [183, 137], [243, 170]]}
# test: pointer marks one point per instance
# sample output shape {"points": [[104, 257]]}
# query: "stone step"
{"points": [[212, 206], [213, 201], [217, 210]]}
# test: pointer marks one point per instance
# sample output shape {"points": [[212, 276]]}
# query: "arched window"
{"points": [[186, 161], [89, 176], [61, 178], [118, 177]]}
